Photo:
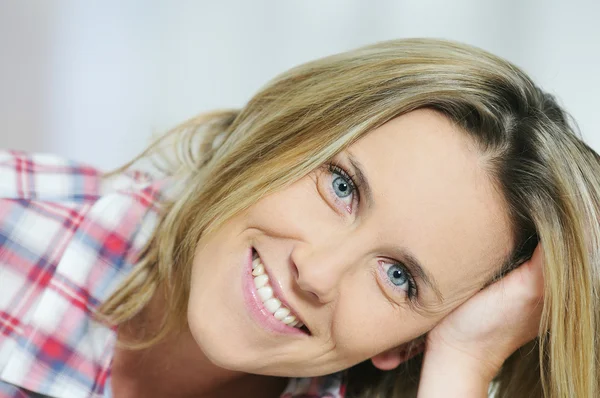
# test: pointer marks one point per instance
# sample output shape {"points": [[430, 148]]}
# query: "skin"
{"points": [[431, 197], [481, 334]]}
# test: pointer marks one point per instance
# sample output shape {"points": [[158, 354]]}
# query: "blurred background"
{"points": [[95, 80]]}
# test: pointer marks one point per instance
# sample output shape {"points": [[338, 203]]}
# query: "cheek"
{"points": [[298, 208], [366, 323]]}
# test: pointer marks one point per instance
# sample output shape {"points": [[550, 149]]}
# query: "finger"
{"points": [[528, 278], [524, 288], [535, 264], [521, 291]]}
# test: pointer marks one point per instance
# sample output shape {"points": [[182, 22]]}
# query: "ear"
{"points": [[390, 359]]}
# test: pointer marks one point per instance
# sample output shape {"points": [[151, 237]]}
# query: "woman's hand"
{"points": [[466, 349]]}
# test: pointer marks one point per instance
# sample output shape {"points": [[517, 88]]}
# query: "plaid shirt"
{"points": [[68, 238]]}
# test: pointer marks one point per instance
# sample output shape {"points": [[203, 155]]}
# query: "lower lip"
{"points": [[257, 309]]}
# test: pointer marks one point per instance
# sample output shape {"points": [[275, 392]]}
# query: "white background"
{"points": [[94, 80]]}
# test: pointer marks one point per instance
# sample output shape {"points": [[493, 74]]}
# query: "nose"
{"points": [[319, 270]]}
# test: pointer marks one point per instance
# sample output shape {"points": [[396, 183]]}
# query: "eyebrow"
{"points": [[420, 272], [411, 262]]}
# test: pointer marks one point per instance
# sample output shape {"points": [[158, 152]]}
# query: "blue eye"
{"points": [[341, 186], [343, 191], [397, 275]]}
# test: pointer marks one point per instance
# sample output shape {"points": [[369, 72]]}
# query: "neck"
{"points": [[176, 367]]}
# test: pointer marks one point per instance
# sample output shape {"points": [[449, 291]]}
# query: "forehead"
{"points": [[432, 196]]}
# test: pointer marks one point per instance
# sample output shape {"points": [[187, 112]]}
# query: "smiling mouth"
{"points": [[268, 297]]}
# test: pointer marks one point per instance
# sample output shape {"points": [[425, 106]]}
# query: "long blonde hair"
{"points": [[549, 178]]}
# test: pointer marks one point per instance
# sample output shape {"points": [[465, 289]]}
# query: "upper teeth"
{"points": [[271, 303]]}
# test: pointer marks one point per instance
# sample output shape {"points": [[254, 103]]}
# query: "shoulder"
{"points": [[49, 204], [68, 237], [52, 178], [46, 177], [62, 217]]}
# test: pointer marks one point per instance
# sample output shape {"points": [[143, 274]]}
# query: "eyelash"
{"points": [[334, 168], [411, 292]]}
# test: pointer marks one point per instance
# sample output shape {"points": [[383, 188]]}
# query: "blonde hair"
{"points": [[548, 176]]}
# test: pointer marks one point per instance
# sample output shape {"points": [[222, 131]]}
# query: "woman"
{"points": [[376, 207]]}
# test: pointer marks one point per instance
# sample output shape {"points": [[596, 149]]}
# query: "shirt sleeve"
{"points": [[46, 177]]}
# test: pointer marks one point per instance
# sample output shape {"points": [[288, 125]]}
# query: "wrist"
{"points": [[450, 372], [480, 360]]}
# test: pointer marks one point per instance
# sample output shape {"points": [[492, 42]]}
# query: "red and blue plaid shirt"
{"points": [[68, 237]]}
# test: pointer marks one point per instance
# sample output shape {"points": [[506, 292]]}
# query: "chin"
{"points": [[222, 349], [233, 352]]}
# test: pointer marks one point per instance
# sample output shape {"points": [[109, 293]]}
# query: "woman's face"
{"points": [[365, 268]]}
